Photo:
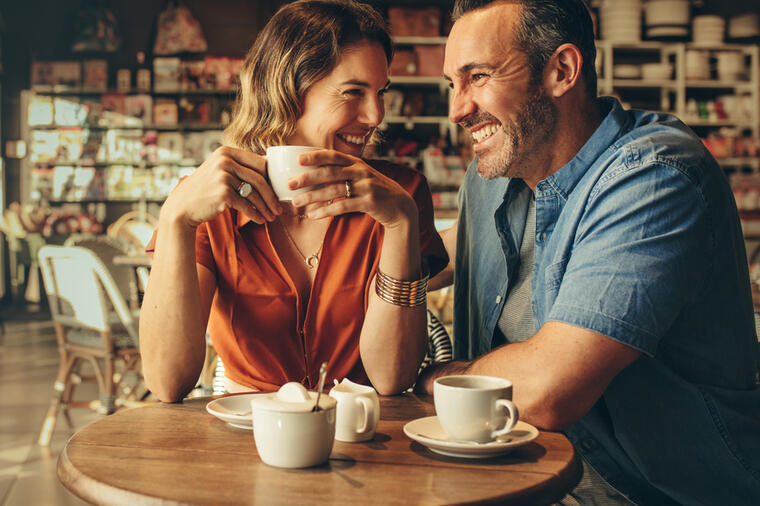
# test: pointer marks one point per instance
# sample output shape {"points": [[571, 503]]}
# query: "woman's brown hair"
{"points": [[300, 45]]}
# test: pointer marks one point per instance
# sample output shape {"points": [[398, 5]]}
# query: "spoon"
{"points": [[322, 372]]}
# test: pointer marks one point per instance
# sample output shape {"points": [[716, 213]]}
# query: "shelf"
{"points": [[718, 123], [77, 90], [134, 164], [230, 91], [643, 45], [421, 41], [106, 201], [643, 83], [718, 47], [715, 83], [170, 128], [739, 161], [419, 80]]}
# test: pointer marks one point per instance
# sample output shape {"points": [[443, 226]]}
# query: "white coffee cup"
{"points": [[472, 408], [358, 411], [289, 434], [282, 164]]}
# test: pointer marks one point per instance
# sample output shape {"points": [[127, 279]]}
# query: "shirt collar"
{"points": [[242, 219], [614, 123]]}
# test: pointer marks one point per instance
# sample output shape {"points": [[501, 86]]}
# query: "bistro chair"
{"points": [[130, 280], [93, 324], [439, 342], [135, 227], [107, 248]]}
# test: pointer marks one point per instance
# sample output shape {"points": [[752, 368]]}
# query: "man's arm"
{"points": [[446, 276], [558, 374]]}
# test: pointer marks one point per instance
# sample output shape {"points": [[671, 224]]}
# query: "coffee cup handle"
{"points": [[367, 410], [511, 421]]}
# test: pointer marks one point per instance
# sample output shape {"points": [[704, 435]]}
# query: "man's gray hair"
{"points": [[544, 25]]}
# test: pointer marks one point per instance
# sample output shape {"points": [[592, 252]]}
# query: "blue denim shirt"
{"points": [[638, 239]]}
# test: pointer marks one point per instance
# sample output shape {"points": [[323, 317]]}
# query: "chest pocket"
{"points": [[553, 276]]}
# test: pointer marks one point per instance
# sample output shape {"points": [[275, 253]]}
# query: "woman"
{"points": [[287, 286]]}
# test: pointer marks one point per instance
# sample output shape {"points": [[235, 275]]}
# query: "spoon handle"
{"points": [[322, 373]]}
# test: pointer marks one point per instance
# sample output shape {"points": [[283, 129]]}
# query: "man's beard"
{"points": [[531, 130]]}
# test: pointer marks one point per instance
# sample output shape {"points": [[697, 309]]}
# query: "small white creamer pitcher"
{"points": [[358, 411]]}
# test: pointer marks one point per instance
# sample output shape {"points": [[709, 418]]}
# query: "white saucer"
{"points": [[235, 409], [428, 432]]}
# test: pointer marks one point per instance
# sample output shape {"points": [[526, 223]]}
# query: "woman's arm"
{"points": [[394, 338], [174, 313], [178, 298]]}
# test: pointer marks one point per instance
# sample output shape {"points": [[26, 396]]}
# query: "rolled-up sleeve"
{"points": [[640, 254]]}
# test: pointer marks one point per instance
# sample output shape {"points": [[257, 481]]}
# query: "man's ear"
{"points": [[563, 70]]}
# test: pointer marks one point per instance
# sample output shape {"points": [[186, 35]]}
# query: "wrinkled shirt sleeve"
{"points": [[639, 255]]}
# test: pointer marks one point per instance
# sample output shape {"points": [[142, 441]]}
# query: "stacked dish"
{"points": [[730, 66], [697, 64], [666, 18], [656, 71], [626, 71], [621, 20], [708, 30], [744, 26]]}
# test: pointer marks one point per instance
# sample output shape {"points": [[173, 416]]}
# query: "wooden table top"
{"points": [[141, 260], [180, 454]]}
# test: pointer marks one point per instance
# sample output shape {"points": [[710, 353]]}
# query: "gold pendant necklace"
{"points": [[312, 261]]}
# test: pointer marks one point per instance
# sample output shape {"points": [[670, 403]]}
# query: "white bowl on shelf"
{"points": [[653, 32], [656, 71], [626, 71], [666, 12], [744, 26]]}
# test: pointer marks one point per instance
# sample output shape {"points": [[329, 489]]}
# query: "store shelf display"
{"points": [[89, 143]]}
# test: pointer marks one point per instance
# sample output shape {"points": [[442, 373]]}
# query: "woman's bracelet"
{"points": [[401, 293]]}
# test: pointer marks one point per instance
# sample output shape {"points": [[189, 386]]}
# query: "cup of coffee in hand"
{"points": [[474, 408], [282, 164]]}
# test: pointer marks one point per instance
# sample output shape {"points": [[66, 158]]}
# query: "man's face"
{"points": [[494, 97]]}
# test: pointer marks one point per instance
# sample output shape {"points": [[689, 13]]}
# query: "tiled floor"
{"points": [[28, 365]]}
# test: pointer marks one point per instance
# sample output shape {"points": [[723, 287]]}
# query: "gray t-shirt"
{"points": [[516, 320]]}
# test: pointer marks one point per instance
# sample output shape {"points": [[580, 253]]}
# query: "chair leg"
{"points": [[108, 393], [59, 390], [74, 380]]}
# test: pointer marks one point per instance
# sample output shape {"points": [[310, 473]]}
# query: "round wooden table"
{"points": [[180, 454]]}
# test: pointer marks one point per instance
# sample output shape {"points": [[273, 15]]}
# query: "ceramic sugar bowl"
{"points": [[288, 433]]}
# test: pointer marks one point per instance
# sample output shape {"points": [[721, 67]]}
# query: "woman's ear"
{"points": [[563, 70]]}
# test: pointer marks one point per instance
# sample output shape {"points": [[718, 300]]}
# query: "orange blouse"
{"points": [[255, 313]]}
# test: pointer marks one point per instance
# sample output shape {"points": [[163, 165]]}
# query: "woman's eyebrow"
{"points": [[356, 82]]}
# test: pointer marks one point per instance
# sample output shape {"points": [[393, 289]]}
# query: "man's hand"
{"points": [[429, 374]]}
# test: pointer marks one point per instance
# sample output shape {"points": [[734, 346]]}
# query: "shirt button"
{"points": [[498, 299], [543, 236]]}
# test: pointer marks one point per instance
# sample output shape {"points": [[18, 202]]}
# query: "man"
{"points": [[599, 265]]}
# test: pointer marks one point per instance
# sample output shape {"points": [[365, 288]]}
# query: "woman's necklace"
{"points": [[312, 261]]}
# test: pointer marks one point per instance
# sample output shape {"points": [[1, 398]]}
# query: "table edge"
{"points": [[96, 492]]}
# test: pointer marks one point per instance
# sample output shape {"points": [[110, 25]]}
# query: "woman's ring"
{"points": [[244, 189], [349, 189]]}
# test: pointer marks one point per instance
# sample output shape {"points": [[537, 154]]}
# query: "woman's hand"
{"points": [[370, 191], [213, 187]]}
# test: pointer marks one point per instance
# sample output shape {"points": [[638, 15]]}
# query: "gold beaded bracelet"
{"points": [[401, 293]]}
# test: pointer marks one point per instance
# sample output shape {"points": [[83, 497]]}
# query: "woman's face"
{"points": [[343, 109]]}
